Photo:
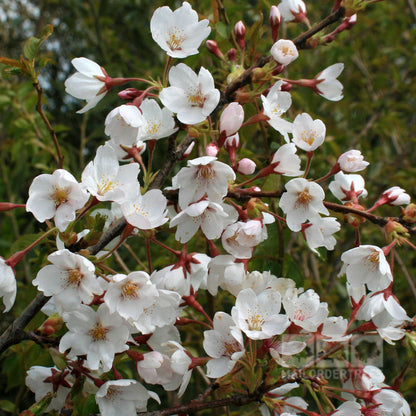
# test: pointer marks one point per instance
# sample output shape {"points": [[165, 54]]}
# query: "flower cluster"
{"points": [[259, 335]]}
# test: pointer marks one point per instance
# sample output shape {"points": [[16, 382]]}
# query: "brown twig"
{"points": [[301, 43], [60, 157], [15, 332]]}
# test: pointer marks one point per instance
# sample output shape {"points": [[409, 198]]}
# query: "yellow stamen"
{"points": [[99, 332], [60, 195]]}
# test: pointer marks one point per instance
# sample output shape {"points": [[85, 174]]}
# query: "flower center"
{"points": [[303, 199], [175, 39], [205, 172], [105, 185], [287, 51], [372, 261], [196, 98], [255, 322], [308, 137], [60, 195], [98, 332], [112, 393], [230, 348], [130, 290], [153, 128], [74, 277]]}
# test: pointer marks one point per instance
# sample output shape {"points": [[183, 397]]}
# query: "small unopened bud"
{"points": [[212, 46], [409, 213], [212, 149], [232, 55], [240, 33], [352, 161], [52, 325], [232, 141], [188, 150], [396, 196], [231, 119], [246, 166], [129, 93], [396, 231], [353, 219], [274, 21]]}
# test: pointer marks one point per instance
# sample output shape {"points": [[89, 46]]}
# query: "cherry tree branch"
{"points": [[300, 41], [59, 156], [15, 332]]}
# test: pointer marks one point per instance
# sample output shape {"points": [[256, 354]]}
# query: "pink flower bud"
{"points": [[188, 150], [396, 196], [240, 33], [129, 93], [212, 149], [231, 119], [246, 166], [232, 141], [352, 161], [274, 21], [212, 46], [232, 55]]}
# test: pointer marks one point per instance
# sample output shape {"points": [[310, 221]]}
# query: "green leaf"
{"points": [[23, 242], [31, 48], [7, 406], [47, 31]]}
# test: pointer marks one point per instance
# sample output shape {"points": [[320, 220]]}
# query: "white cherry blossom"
{"points": [[193, 97], [123, 124], [257, 315], [335, 328], [327, 84], [178, 32], [8, 287], [290, 8], [302, 201], [319, 233], [70, 279], [97, 334], [366, 265], [107, 180], [208, 215], [308, 134], [56, 196], [147, 211], [287, 161], [36, 380], [305, 310], [203, 176], [88, 83], [284, 51], [224, 344], [130, 294], [275, 104], [123, 398], [347, 187], [158, 122], [352, 161]]}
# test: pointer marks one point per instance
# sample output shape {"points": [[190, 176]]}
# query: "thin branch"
{"points": [[405, 272], [301, 42], [60, 157], [15, 332], [237, 400]]}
